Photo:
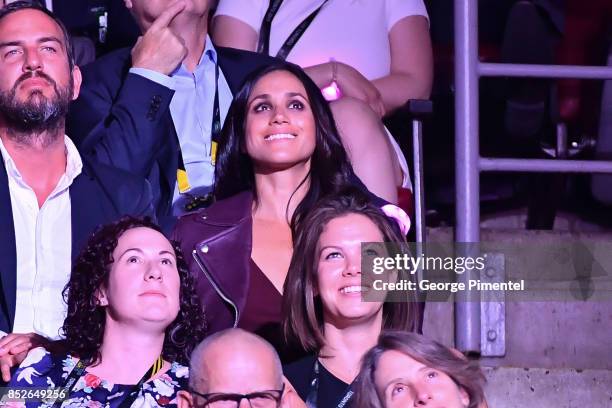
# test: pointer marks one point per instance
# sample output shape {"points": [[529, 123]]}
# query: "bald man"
{"points": [[235, 365]]}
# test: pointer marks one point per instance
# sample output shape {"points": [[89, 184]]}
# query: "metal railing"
{"points": [[469, 164]]}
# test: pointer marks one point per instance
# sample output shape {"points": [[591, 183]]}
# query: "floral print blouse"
{"points": [[42, 369]]}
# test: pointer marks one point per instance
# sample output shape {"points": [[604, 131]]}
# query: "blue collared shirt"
{"points": [[191, 109]]}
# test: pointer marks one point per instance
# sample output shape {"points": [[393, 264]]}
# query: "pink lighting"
{"points": [[331, 92]]}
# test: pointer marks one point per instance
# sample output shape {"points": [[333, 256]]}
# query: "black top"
{"points": [[331, 389]]}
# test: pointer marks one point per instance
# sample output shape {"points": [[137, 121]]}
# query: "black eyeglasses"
{"points": [[259, 399]]}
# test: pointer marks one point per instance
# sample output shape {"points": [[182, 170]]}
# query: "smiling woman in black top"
{"points": [[323, 309]]}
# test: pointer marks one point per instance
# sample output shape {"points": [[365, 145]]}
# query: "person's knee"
{"points": [[356, 122], [352, 110]]}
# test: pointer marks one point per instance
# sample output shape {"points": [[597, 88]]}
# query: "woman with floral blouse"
{"points": [[133, 319]]}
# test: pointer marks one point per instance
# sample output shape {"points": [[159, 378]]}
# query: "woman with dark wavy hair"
{"points": [[279, 153], [368, 56], [133, 319], [407, 369], [325, 313], [328, 167]]}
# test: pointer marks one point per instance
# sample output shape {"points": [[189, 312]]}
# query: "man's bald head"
{"points": [[235, 361]]}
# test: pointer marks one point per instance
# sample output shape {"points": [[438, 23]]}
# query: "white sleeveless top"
{"points": [[355, 32]]}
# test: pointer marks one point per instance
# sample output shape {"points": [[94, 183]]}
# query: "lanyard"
{"points": [[263, 45], [215, 130], [313, 393], [79, 370]]}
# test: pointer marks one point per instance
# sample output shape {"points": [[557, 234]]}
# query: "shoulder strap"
{"points": [[263, 45]]}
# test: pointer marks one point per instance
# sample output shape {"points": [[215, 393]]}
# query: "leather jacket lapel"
{"points": [[225, 252]]}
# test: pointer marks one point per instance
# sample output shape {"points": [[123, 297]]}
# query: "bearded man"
{"points": [[51, 199]]}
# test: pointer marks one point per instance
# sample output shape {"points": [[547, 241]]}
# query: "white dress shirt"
{"points": [[43, 238]]}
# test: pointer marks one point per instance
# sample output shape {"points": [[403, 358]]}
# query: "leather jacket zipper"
{"points": [[216, 287]]}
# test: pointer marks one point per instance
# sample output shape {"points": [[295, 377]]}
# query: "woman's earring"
{"points": [[101, 299]]}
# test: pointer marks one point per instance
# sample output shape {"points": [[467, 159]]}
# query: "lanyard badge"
{"points": [[182, 177]]}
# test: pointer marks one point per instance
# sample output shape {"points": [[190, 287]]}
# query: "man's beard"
{"points": [[37, 115]]}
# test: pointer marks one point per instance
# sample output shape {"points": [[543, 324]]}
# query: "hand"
{"points": [[159, 49], [9, 361], [355, 85], [13, 349]]}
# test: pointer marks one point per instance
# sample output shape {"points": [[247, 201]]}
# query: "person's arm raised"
{"points": [[160, 49], [120, 118]]}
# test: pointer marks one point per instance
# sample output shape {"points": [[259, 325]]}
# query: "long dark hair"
{"points": [[464, 373], [302, 308], [330, 168], [84, 323]]}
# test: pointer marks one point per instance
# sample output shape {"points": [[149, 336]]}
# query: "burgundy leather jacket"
{"points": [[216, 243]]}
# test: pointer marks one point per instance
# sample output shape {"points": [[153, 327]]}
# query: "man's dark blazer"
{"points": [[99, 195], [124, 119]]}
